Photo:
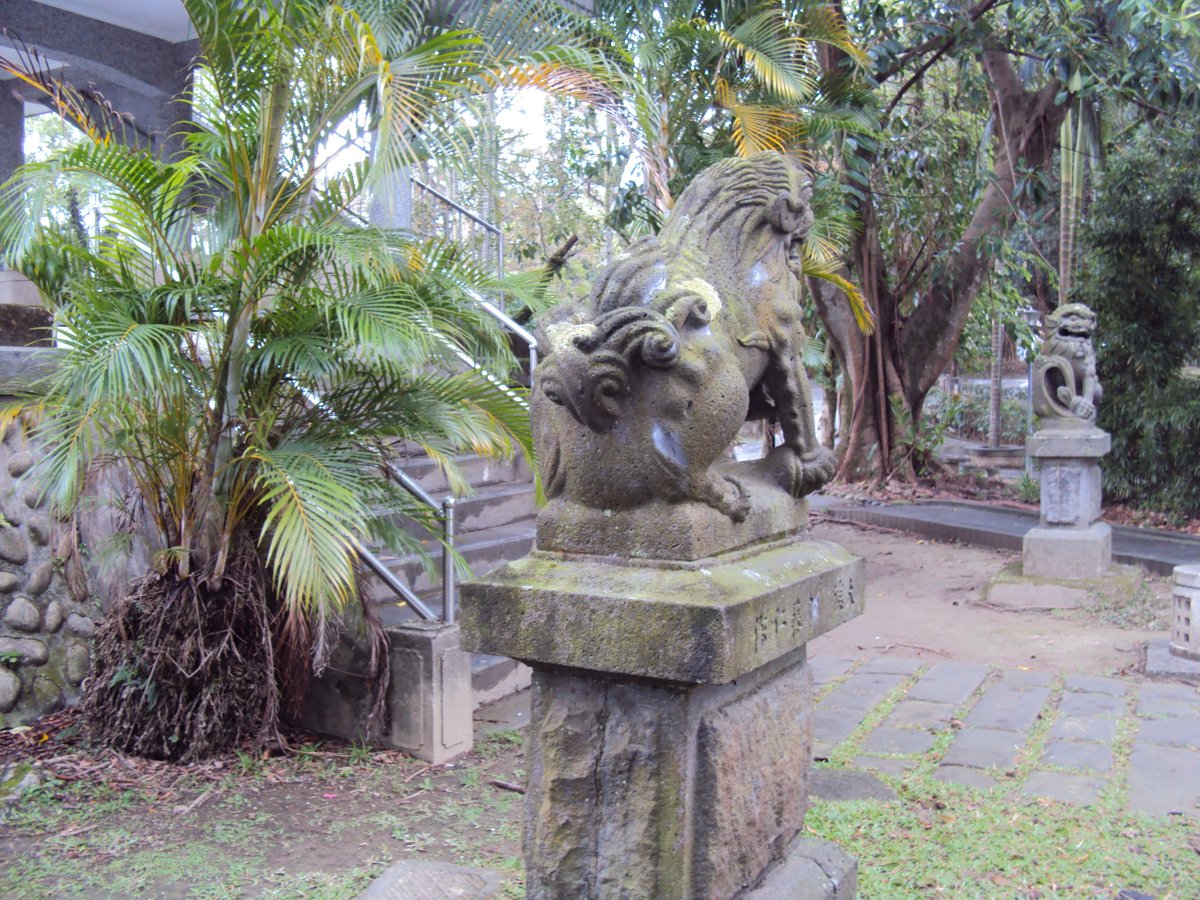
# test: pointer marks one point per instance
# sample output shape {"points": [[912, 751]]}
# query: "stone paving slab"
{"points": [[1078, 755], [1081, 790], [1008, 707], [413, 879], [983, 748], [1085, 728], [1073, 761], [1082, 705], [948, 683]]}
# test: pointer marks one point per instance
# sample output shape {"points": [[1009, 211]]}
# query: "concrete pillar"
{"points": [[1185, 630], [429, 709], [671, 729], [12, 131], [1070, 541]]}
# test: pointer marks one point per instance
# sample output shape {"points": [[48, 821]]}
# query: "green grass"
{"points": [[942, 840]]}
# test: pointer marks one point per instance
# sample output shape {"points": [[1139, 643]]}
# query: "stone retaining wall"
{"points": [[45, 634]]}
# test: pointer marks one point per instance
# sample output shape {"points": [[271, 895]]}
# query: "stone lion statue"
{"points": [[682, 340], [1066, 390]]}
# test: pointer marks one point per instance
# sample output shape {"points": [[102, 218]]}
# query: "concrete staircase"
{"points": [[494, 525]]}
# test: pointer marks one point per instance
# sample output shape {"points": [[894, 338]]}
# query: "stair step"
{"points": [[478, 470], [491, 506], [483, 551]]}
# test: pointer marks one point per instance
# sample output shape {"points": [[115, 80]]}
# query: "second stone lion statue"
{"points": [[684, 338]]}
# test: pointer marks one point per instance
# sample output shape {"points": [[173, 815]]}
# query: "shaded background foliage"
{"points": [[1141, 274]]}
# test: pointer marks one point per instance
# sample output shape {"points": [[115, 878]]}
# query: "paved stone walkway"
{"points": [[1068, 738]]}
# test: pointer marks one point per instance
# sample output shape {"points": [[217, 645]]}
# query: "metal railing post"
{"points": [[449, 586]]}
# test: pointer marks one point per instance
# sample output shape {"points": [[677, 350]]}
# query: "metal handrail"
{"points": [[486, 305]]}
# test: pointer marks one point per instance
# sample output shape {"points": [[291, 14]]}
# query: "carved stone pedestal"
{"points": [[1070, 541], [670, 738]]}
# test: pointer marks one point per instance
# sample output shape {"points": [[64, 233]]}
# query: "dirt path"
{"points": [[923, 600]]}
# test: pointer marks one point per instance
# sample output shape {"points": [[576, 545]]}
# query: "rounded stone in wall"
{"points": [[8, 582], [80, 625], [22, 615], [10, 689], [28, 651], [39, 578], [52, 619], [78, 660], [38, 529], [12, 547], [19, 464], [33, 497], [47, 696]]}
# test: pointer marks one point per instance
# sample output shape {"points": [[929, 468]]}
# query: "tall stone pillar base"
{"points": [[1070, 541], [1074, 553], [671, 731]]}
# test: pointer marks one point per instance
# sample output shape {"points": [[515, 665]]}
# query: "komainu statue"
{"points": [[1066, 390], [682, 340]]}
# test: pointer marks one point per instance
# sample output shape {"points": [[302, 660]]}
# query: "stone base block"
{"points": [[710, 621], [659, 790], [675, 531], [1068, 552], [1162, 662], [429, 696], [813, 870]]}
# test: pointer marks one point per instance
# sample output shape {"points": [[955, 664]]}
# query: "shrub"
{"points": [[1140, 275]]}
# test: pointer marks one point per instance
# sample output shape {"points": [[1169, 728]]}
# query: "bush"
{"points": [[967, 414], [1141, 276]]}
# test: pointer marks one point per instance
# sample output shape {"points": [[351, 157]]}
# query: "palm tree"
{"points": [[702, 80], [251, 355]]}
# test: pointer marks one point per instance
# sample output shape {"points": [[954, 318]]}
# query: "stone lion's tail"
{"points": [[591, 377]]}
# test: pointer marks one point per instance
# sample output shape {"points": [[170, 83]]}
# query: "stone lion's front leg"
{"points": [[802, 465], [802, 473]]}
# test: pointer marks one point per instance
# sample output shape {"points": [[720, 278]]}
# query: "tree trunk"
{"points": [[893, 369], [995, 392]]}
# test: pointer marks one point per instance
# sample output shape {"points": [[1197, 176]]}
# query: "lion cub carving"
{"points": [[684, 338]]}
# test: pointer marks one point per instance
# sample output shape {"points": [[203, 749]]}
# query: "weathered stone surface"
{"points": [[705, 622], [40, 578], [751, 761], [29, 651], [965, 775], [1070, 492], [1049, 443], [645, 386], [1186, 576], [53, 617], [983, 748], [1164, 780], [22, 615], [1078, 755], [420, 879], [8, 582], [922, 713], [1084, 728], [32, 497], [1079, 789], [1007, 708], [813, 870], [1068, 552], [948, 682], [78, 660], [847, 784], [47, 695], [12, 547], [10, 689], [619, 771], [38, 529], [80, 625], [1077, 703], [674, 531], [898, 740], [861, 691], [1065, 387], [19, 464], [1094, 684]]}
